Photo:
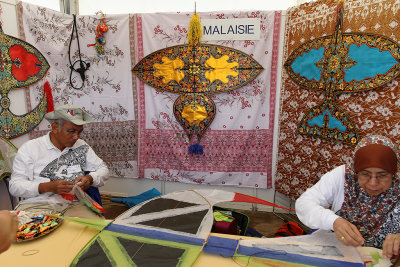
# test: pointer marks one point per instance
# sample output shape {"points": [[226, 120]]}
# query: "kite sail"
{"points": [[172, 230]]}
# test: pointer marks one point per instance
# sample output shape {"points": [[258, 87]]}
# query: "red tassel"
{"points": [[49, 97]]}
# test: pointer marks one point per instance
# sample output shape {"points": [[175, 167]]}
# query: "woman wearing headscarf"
{"points": [[360, 203]]}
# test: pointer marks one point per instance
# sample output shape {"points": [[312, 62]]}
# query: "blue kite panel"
{"points": [[305, 64], [369, 62], [221, 246], [154, 234]]}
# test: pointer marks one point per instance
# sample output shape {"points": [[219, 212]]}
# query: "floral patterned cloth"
{"points": [[109, 91], [302, 160], [374, 216]]}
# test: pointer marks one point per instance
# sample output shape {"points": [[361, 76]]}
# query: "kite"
{"points": [[171, 230], [21, 65], [344, 62], [195, 71]]}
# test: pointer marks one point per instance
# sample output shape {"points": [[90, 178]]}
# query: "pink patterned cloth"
{"points": [[238, 144]]}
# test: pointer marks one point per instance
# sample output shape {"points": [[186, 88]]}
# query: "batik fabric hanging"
{"points": [[343, 62]]}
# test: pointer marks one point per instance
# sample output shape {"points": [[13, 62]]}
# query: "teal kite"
{"points": [[337, 64]]}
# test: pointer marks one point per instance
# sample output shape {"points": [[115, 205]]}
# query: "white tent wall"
{"points": [[127, 187]]}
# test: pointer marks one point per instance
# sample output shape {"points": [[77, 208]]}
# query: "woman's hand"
{"points": [[347, 233], [391, 246]]}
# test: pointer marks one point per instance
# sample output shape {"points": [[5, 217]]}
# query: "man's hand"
{"points": [[8, 229], [85, 181], [57, 187], [347, 233], [391, 246]]}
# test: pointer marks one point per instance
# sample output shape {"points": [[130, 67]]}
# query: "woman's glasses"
{"points": [[381, 176]]}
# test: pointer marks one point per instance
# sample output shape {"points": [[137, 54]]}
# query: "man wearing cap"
{"points": [[50, 165]]}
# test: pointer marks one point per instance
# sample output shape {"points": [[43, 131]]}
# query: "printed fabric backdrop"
{"points": [[238, 144], [302, 160], [108, 94], [134, 129]]}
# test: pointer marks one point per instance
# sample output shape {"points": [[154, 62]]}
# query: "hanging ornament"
{"points": [[100, 39]]}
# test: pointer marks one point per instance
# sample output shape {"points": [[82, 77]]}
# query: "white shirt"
{"points": [[39, 161], [317, 206]]}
